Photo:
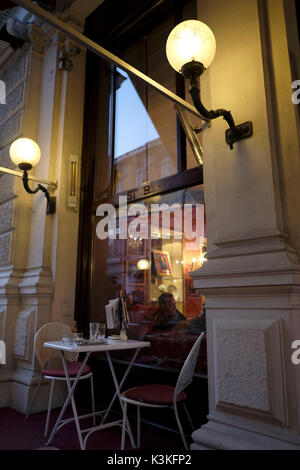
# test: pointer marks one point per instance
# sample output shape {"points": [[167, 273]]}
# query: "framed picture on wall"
{"points": [[162, 263]]}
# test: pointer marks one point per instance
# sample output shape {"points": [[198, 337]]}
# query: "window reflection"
{"points": [[144, 146], [133, 129], [162, 303]]}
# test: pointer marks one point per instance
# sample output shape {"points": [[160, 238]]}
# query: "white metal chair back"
{"points": [[54, 331], [185, 377]]}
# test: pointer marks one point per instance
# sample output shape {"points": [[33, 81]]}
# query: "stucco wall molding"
{"points": [[250, 364], [23, 344]]}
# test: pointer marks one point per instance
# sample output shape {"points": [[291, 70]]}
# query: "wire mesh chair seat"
{"points": [[163, 396], [55, 331]]}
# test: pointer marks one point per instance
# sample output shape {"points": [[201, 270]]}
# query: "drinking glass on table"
{"points": [[94, 327], [74, 329], [74, 326], [79, 337], [101, 331]]}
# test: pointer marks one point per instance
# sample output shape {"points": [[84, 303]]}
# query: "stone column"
{"points": [[14, 74], [252, 278], [38, 252]]}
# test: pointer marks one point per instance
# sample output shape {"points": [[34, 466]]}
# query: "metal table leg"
{"points": [[117, 394], [69, 398], [122, 381]]}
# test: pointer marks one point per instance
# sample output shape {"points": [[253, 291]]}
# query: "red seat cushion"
{"points": [[73, 368], [154, 393]]}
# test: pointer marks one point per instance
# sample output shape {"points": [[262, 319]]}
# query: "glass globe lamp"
{"points": [[191, 47], [25, 153]]}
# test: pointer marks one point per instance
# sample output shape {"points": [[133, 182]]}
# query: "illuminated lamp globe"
{"points": [[25, 153], [143, 264], [191, 47]]}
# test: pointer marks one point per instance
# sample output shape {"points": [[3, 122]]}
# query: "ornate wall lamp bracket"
{"points": [[235, 132], [51, 200], [25, 154], [190, 49]]}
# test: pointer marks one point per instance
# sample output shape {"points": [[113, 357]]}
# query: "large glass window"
{"points": [[166, 240], [145, 143], [145, 140], [142, 153]]}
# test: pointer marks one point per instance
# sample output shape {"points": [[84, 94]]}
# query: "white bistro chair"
{"points": [[162, 396], [55, 331]]}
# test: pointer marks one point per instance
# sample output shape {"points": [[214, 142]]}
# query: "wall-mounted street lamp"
{"points": [[25, 153], [190, 49], [191, 40]]}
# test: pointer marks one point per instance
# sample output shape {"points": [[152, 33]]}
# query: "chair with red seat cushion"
{"points": [[55, 331], [156, 394], [72, 367], [162, 396]]}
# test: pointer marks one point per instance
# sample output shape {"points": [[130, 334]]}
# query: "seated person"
{"points": [[198, 324], [168, 317]]}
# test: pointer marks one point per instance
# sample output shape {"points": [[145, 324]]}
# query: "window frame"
{"points": [[97, 111], [183, 177]]}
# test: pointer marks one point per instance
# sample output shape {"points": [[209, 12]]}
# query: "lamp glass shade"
{"points": [[25, 150], [143, 264], [190, 41]]}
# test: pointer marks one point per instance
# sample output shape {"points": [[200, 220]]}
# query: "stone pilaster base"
{"points": [[221, 437], [23, 387], [253, 317]]}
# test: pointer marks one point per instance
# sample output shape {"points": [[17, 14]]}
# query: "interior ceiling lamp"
{"points": [[190, 49], [143, 264], [25, 153]]}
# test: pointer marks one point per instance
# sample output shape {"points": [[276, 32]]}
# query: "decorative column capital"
{"points": [[40, 38]]}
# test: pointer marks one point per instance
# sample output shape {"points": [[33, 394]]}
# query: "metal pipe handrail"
{"points": [[101, 52], [31, 178]]}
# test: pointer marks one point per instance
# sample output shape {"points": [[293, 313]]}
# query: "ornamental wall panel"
{"points": [[10, 129], [13, 73], [7, 184], [249, 374], [5, 248], [2, 323], [6, 215], [23, 334]]}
